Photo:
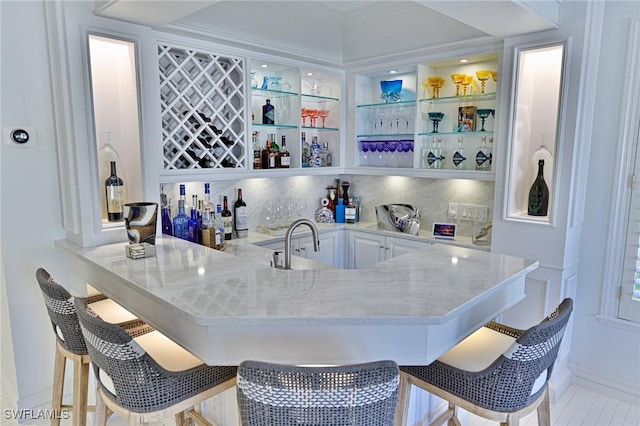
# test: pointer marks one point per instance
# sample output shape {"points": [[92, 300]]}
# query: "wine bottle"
{"points": [[274, 155], [284, 155], [241, 217], [227, 218], [181, 221], [268, 113], [114, 188], [539, 194]]}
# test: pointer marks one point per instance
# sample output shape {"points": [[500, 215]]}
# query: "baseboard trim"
{"points": [[624, 390]]}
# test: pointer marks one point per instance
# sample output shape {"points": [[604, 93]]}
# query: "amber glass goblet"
{"points": [[304, 112], [468, 79], [483, 76], [494, 75], [323, 114], [313, 116], [458, 79]]}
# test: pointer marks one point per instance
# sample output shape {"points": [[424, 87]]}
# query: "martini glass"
{"points": [[436, 117], [483, 113], [457, 79], [483, 76]]}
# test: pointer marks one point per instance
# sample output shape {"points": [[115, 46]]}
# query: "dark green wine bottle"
{"points": [[539, 194]]}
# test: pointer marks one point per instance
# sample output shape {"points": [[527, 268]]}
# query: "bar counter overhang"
{"points": [[228, 306]]}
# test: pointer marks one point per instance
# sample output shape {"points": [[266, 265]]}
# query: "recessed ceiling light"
{"points": [[464, 61], [393, 72], [309, 73], [264, 66]]}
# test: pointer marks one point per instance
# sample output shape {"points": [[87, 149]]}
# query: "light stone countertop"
{"points": [[238, 286]]}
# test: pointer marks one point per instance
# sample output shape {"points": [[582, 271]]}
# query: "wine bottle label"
{"points": [[114, 198], [350, 213], [242, 222], [228, 224]]}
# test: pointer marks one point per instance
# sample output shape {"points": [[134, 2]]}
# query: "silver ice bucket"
{"points": [[399, 217]]}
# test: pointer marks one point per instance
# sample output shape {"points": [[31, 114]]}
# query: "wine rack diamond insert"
{"points": [[202, 99]]}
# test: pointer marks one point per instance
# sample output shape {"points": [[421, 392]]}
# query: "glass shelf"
{"points": [[276, 126], [386, 104], [310, 98], [486, 132], [387, 135], [272, 93], [331, 129], [456, 99]]}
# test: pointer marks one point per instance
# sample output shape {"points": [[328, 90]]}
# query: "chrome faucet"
{"points": [[287, 239]]}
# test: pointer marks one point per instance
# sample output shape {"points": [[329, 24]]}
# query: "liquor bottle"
{"points": [[207, 198], [227, 218], [304, 160], [206, 228], [326, 156], [264, 154], [356, 203], [114, 187], [167, 228], [194, 227], [181, 221], [539, 194], [458, 157], [274, 155], [432, 155], [284, 155], [314, 153], [268, 113], [483, 156], [219, 228], [257, 151], [350, 212], [241, 217], [340, 211]]}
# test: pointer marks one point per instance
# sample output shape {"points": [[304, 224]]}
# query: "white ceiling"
{"points": [[340, 32]]}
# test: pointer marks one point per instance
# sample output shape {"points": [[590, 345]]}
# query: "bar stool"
{"points": [[70, 343], [281, 395], [499, 373], [148, 377]]}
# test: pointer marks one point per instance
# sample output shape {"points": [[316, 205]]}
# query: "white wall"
{"points": [[31, 207], [600, 352]]}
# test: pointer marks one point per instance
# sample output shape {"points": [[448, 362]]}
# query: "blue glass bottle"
{"points": [[340, 211], [194, 227], [167, 227], [181, 221]]}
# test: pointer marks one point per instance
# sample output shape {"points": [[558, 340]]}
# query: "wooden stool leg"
{"points": [[404, 394], [544, 410], [80, 388], [58, 385], [101, 410]]}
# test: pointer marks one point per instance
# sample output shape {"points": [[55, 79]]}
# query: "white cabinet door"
{"points": [[397, 246], [331, 248], [365, 249]]}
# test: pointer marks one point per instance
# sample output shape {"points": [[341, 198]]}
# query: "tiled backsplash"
{"points": [[432, 196]]}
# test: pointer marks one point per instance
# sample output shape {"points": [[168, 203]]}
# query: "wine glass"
{"points": [[313, 116], [483, 76], [458, 79], [436, 117], [483, 113], [323, 113], [365, 159], [274, 83]]}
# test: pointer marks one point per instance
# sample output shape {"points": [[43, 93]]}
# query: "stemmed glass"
{"points": [[483, 113], [313, 116], [436, 117], [304, 113], [323, 113], [365, 159], [494, 75], [483, 76], [435, 83], [468, 79], [458, 79], [274, 83]]}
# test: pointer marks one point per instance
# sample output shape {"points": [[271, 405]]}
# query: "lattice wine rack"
{"points": [[203, 109]]}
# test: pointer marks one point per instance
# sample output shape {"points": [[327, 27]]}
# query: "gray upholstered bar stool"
{"points": [[70, 343], [148, 377], [499, 373], [283, 395]]}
